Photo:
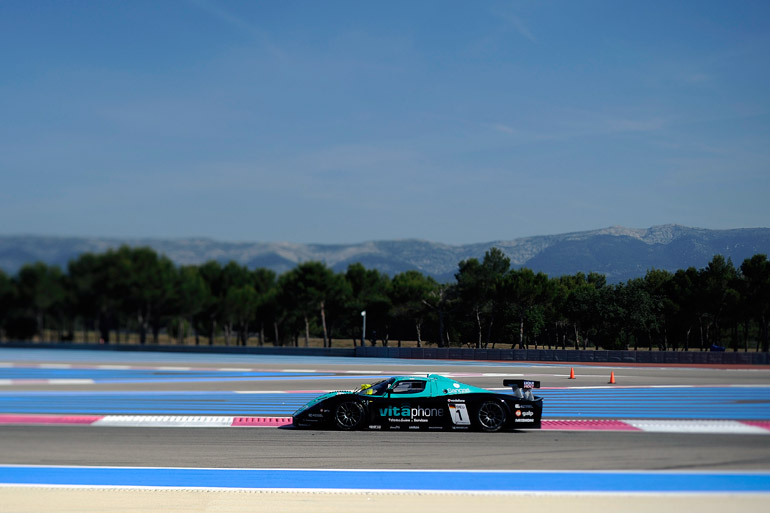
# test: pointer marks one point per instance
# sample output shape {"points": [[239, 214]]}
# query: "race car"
{"points": [[429, 402]]}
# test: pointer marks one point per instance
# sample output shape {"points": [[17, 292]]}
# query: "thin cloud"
{"points": [[696, 78], [227, 17], [521, 28], [517, 24], [500, 127]]}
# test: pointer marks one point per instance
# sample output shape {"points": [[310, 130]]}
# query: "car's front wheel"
{"points": [[349, 415], [491, 416]]}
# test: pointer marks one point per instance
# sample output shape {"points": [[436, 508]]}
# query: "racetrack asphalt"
{"points": [[59, 373]]}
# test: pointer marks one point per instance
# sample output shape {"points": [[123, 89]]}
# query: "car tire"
{"points": [[491, 416], [349, 415]]}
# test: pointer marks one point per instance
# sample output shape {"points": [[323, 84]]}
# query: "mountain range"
{"points": [[617, 252]]}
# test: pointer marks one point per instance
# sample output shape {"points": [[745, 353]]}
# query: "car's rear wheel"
{"points": [[349, 415], [491, 416]]}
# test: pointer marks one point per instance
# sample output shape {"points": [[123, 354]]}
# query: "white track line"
{"points": [[697, 426], [164, 421]]}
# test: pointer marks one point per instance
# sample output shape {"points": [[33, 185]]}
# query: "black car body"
{"points": [[430, 402]]}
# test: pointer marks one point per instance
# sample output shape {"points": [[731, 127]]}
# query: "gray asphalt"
{"points": [[287, 448], [550, 375]]}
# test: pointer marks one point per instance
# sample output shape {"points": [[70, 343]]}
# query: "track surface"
{"points": [[44, 381], [278, 448]]}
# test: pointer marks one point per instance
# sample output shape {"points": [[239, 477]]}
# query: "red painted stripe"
{"points": [[587, 425], [553, 425], [48, 419], [261, 421], [764, 424], [563, 424]]}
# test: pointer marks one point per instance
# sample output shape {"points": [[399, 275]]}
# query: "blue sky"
{"points": [[347, 121]]}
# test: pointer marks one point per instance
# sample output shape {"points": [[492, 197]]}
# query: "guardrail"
{"points": [[439, 353], [297, 351], [567, 355]]}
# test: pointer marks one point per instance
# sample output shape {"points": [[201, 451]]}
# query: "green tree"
{"points": [[640, 317], [756, 273], [336, 312], [477, 290], [369, 290], [717, 292], [656, 283], [113, 290], [41, 294], [409, 292], [83, 274], [206, 320], [6, 300], [266, 287], [147, 287], [235, 283], [684, 304], [541, 314], [563, 286], [526, 294], [442, 301], [240, 306], [581, 305], [307, 288], [190, 297]]}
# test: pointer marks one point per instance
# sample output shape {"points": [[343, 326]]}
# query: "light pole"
{"points": [[363, 333]]}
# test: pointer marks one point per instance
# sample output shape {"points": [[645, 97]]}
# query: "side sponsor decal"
{"points": [[457, 389], [407, 413]]}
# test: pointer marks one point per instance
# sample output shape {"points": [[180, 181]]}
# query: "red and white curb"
{"points": [[144, 420], [702, 426], [738, 427], [645, 425]]}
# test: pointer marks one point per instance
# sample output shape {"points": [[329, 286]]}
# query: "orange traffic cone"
{"points": [[612, 378], [571, 373]]}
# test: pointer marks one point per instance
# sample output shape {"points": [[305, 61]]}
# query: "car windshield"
{"points": [[409, 386], [378, 388]]}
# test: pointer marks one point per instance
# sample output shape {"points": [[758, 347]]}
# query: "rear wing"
{"points": [[522, 388]]}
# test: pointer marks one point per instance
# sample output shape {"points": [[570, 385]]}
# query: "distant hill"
{"points": [[619, 253]]}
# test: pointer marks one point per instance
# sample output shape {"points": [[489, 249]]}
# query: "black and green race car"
{"points": [[430, 402]]}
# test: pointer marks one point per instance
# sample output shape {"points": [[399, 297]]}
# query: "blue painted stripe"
{"points": [[152, 403], [738, 403], [707, 403], [425, 480]]}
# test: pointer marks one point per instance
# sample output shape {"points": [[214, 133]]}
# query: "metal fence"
{"points": [[438, 353]]}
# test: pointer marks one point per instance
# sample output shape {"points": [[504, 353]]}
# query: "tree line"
{"points": [[490, 304]]}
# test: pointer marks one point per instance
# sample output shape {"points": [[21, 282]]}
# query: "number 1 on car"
{"points": [[459, 414]]}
